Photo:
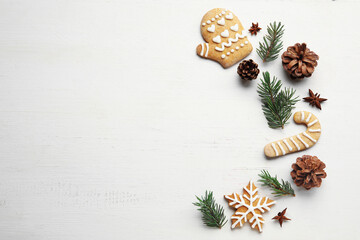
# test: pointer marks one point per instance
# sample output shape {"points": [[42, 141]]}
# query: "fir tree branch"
{"points": [[269, 50], [279, 189], [277, 104], [212, 213]]}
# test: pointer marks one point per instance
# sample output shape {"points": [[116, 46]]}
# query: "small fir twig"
{"points": [[212, 213], [277, 104], [272, 45], [279, 189]]}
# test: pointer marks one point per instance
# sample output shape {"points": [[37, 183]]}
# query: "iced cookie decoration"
{"points": [[297, 142], [225, 39], [249, 207]]}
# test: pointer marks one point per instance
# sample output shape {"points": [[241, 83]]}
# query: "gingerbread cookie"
{"points": [[297, 142], [249, 207], [225, 38]]}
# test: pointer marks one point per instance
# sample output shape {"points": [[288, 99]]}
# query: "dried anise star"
{"points": [[281, 217], [314, 99], [254, 29]]}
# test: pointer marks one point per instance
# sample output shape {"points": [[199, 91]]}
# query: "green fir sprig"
{"points": [[279, 189], [212, 213], [272, 45], [277, 104]]}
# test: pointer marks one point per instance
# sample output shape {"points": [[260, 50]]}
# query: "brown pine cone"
{"points": [[248, 70], [299, 61], [308, 171]]}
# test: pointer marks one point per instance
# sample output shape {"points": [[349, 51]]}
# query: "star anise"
{"points": [[281, 217], [254, 29], [314, 99]]}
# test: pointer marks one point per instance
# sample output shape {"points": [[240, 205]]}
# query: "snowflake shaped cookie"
{"points": [[249, 207]]}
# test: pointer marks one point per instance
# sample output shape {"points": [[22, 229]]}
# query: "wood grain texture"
{"points": [[110, 123]]}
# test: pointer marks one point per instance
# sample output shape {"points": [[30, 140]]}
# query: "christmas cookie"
{"points": [[225, 39], [297, 142], [249, 207]]}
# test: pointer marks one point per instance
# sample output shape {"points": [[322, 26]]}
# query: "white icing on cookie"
{"points": [[217, 39], [208, 22], [296, 145], [202, 50], [287, 145], [217, 16], [282, 149], [246, 42], [221, 22], [228, 53], [207, 49], [223, 12], [241, 45], [229, 16], [213, 19], [301, 140], [308, 136], [229, 43], [203, 24], [211, 29], [276, 152], [235, 28], [312, 123], [225, 33], [223, 56], [314, 130], [232, 50], [237, 48]]}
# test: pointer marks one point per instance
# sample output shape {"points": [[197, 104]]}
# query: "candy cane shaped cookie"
{"points": [[225, 38], [297, 142]]}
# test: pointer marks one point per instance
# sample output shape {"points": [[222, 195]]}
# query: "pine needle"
{"points": [[277, 104], [272, 45], [212, 213], [279, 189]]}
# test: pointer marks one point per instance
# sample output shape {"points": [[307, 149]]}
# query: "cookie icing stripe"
{"points": [[314, 130], [312, 123], [302, 116], [287, 145], [202, 50], [301, 140], [308, 118], [282, 149], [274, 147], [230, 42], [293, 141], [307, 135], [207, 49]]}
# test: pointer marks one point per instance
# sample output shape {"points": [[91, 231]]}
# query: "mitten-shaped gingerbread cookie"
{"points": [[225, 38]]}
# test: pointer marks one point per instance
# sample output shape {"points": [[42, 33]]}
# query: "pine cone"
{"points": [[248, 70], [308, 171], [299, 61]]}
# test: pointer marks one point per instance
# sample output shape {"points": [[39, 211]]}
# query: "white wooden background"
{"points": [[110, 123]]}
